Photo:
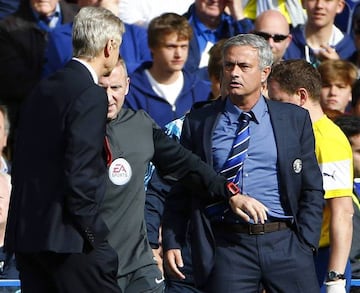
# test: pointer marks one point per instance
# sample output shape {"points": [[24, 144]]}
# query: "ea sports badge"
{"points": [[120, 172]]}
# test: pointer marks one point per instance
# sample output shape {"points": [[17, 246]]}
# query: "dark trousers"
{"points": [[92, 272], [146, 279], [277, 260]]}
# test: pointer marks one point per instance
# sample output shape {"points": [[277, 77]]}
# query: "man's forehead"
{"points": [[238, 51]]}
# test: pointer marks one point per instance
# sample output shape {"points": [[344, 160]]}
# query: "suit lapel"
{"points": [[280, 128], [209, 125], [281, 132]]}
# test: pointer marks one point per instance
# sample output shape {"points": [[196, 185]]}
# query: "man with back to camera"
{"points": [[58, 176]]}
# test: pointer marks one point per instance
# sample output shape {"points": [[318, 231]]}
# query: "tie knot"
{"points": [[245, 117]]}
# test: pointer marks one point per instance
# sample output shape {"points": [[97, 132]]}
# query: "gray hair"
{"points": [[254, 41], [93, 27]]}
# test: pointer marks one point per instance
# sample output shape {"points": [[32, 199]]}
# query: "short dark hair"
{"points": [[215, 59], [349, 124], [165, 24], [294, 74]]}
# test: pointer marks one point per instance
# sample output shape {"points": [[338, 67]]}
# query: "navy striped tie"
{"points": [[235, 161], [233, 165]]}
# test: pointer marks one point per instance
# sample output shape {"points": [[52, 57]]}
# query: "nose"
{"points": [[319, 3], [333, 90], [109, 94], [178, 52], [271, 42], [235, 71]]}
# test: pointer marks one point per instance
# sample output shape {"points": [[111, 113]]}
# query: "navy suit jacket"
{"points": [[300, 193], [58, 171]]}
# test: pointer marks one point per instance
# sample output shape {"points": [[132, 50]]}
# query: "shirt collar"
{"points": [[234, 112], [54, 17], [91, 70], [204, 30]]}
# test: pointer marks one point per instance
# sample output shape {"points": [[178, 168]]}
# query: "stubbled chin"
{"points": [[111, 115]]}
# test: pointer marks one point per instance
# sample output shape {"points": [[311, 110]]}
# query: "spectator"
{"points": [[338, 77], [162, 88], [54, 225], [210, 23], [319, 39], [22, 45], [286, 191], [134, 48], [297, 82], [273, 27]]}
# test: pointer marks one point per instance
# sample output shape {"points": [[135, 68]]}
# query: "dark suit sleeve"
{"points": [[84, 165], [311, 202], [177, 205], [161, 196], [176, 217], [175, 162]]}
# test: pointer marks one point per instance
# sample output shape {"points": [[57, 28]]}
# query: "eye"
{"points": [[229, 66], [341, 86], [116, 88]]}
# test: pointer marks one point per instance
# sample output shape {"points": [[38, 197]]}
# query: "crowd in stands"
{"points": [[173, 62]]}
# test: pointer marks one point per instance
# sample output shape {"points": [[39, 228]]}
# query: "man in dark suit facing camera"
{"points": [[267, 234], [54, 225]]}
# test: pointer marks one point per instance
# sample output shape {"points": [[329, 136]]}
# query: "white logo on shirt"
{"points": [[120, 171]]}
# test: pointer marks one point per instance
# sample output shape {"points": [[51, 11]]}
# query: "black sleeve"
{"points": [[174, 162]]}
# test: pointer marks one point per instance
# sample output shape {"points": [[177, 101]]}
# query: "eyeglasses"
{"points": [[277, 38]]}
